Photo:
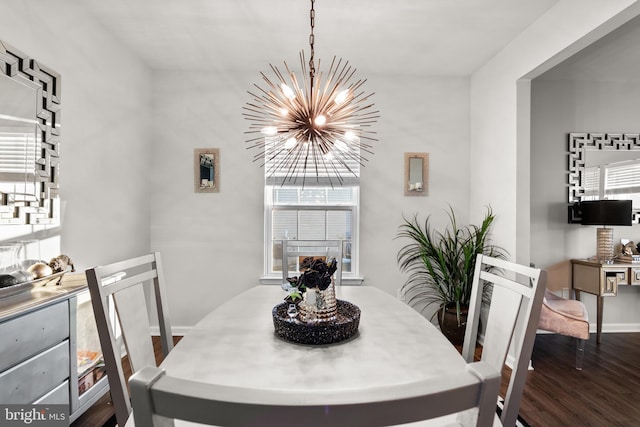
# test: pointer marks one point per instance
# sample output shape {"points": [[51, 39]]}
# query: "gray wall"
{"points": [[560, 107]]}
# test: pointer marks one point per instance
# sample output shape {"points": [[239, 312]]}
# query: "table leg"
{"points": [[600, 303]]}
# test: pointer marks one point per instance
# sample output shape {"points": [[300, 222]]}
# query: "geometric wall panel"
{"points": [[41, 204]]}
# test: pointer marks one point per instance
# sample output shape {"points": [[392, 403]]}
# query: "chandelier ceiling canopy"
{"points": [[314, 127]]}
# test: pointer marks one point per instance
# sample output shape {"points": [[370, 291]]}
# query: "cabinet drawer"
{"points": [[611, 279], [57, 396], [635, 276], [27, 335], [33, 378]]}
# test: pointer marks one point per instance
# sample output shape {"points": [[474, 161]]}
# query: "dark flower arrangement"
{"points": [[316, 274]]}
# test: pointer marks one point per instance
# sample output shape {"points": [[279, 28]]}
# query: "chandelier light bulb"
{"points": [[349, 135], [269, 130], [287, 91], [320, 120], [342, 96], [290, 143]]}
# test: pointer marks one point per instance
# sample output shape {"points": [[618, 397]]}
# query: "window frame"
{"points": [[273, 277]]}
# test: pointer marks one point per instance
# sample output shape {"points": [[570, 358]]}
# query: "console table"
{"points": [[602, 280]]}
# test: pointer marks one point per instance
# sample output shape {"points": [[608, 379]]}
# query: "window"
{"points": [[318, 209], [312, 213]]}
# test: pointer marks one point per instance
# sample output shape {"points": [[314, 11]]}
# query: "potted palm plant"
{"points": [[441, 265]]}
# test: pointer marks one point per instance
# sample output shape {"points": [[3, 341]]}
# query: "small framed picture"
{"points": [[207, 170], [416, 174]]}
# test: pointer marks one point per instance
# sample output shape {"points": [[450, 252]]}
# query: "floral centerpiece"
{"points": [[313, 290], [311, 314], [316, 274]]}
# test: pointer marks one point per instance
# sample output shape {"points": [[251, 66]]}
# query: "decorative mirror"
{"points": [[604, 166], [29, 139], [207, 170], [416, 178]]}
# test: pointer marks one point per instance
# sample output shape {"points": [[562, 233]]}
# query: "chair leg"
{"points": [[579, 353]]}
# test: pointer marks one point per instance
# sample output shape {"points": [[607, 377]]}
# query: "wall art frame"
{"points": [[416, 174], [206, 170]]}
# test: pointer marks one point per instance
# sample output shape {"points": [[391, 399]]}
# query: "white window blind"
{"points": [[623, 179], [592, 182], [314, 213], [17, 155], [317, 224]]}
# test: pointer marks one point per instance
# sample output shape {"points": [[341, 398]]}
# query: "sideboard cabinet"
{"points": [[47, 336]]}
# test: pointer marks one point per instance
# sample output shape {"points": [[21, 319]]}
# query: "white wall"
{"points": [[104, 172], [423, 114], [212, 244]]}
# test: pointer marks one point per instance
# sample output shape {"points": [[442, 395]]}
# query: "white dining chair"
{"points": [[158, 399], [121, 285], [516, 299], [515, 292], [304, 248]]}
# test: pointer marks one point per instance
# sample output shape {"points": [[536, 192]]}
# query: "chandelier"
{"points": [[311, 128]]}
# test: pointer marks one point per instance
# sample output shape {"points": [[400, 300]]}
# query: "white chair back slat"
{"points": [[118, 284], [500, 325], [135, 322]]}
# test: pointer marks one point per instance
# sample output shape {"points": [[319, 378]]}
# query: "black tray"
{"points": [[342, 328]]}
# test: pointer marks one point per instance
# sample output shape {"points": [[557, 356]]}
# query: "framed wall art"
{"points": [[416, 174], [207, 170]]}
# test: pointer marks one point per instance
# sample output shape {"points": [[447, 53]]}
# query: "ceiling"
{"points": [[425, 37]]}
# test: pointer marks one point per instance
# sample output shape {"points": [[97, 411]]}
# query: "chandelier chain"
{"points": [[312, 20]]}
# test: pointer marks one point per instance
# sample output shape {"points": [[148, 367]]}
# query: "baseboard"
{"points": [[607, 327], [616, 327]]}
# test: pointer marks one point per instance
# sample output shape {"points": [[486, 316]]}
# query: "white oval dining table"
{"points": [[235, 345]]}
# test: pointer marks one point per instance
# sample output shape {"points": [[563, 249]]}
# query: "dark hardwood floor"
{"points": [[606, 393]]}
